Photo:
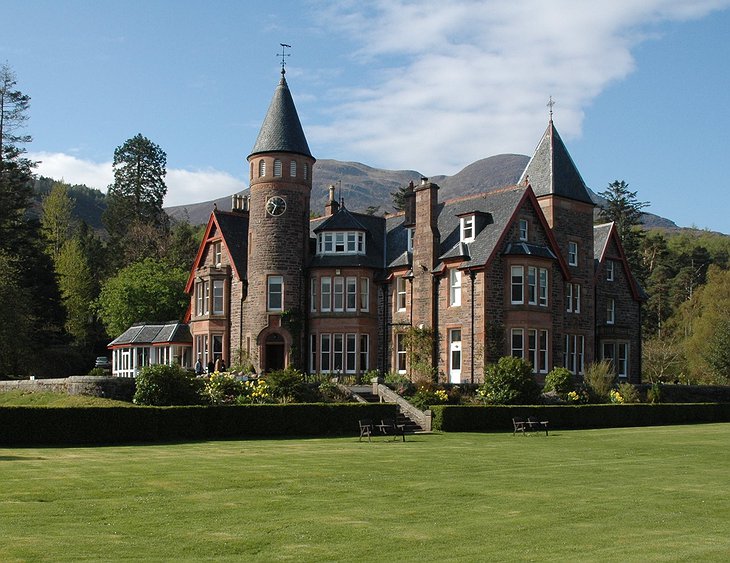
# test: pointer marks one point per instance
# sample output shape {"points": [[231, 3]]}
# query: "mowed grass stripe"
{"points": [[631, 494]]}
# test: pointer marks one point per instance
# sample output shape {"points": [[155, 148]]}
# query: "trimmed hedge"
{"points": [[110, 425], [456, 418]]}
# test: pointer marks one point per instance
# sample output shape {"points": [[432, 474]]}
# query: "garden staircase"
{"points": [[413, 419]]}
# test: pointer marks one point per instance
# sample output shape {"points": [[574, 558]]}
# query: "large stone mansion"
{"points": [[519, 271]]}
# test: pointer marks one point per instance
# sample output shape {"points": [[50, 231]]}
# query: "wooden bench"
{"points": [[366, 428], [532, 424], [390, 427]]}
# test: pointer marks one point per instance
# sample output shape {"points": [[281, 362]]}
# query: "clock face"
{"points": [[276, 206]]}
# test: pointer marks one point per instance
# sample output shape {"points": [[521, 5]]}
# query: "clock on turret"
{"points": [[276, 206]]}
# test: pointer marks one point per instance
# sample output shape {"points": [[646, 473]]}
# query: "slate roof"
{"points": [[551, 170], [281, 130], [499, 204], [346, 220], [234, 229], [153, 333]]}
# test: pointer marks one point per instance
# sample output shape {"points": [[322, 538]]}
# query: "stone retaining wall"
{"points": [[119, 388]]}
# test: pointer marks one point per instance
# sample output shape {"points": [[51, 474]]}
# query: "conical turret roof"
{"points": [[551, 170], [281, 131]]}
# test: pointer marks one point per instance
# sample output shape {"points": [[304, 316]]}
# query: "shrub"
{"points": [[654, 393], [98, 372], [559, 380], [286, 385], [509, 381], [254, 392], [426, 397], [162, 385], [400, 383], [629, 393], [222, 388], [599, 378]]}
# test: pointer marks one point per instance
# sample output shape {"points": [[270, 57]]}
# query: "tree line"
{"points": [[69, 287]]}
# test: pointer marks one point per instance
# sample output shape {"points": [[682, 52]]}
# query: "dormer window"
{"points": [[341, 242], [467, 228], [523, 229], [217, 254]]}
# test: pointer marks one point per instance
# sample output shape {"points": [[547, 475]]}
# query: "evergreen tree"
{"points": [[57, 220], [76, 283], [134, 200], [624, 210], [399, 198], [15, 171], [16, 330]]}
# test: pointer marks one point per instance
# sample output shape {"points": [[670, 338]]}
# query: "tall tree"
{"points": [[143, 291], [624, 210], [76, 283], [134, 200], [15, 171], [399, 198], [57, 220], [16, 326]]}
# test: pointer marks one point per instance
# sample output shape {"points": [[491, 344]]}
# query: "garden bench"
{"points": [[388, 426], [366, 428], [532, 424]]}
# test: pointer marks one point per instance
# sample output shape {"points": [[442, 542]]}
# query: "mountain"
{"points": [[359, 185]]}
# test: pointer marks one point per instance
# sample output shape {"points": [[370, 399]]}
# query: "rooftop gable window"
{"points": [[341, 242]]}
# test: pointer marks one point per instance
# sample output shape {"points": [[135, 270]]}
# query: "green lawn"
{"points": [[20, 398], [659, 494]]}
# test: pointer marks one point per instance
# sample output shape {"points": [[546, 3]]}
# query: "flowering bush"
{"points": [[425, 397], [254, 392], [222, 388], [615, 397], [573, 397]]}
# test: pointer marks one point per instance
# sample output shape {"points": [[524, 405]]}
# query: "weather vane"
{"points": [[550, 104], [283, 56]]}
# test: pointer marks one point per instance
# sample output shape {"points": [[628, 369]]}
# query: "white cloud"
{"points": [[458, 80], [183, 186]]}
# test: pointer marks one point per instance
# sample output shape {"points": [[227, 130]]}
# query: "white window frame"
{"points": [[338, 352], [325, 353], [364, 353], [543, 350], [313, 283], [572, 253], [411, 233], [271, 293], [532, 285], [350, 353], [467, 228], [218, 297], [341, 242], [517, 285], [610, 311], [517, 342], [217, 253], [610, 273], [454, 288], [400, 294], [338, 294], [401, 353], [524, 229], [351, 297], [326, 294], [364, 294], [544, 284]]}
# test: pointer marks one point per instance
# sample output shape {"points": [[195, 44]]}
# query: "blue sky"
{"points": [[641, 87]]}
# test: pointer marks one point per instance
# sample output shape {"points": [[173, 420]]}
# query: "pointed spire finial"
{"points": [[283, 56], [550, 104]]}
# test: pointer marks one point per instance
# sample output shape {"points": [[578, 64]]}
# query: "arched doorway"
{"points": [[274, 351]]}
